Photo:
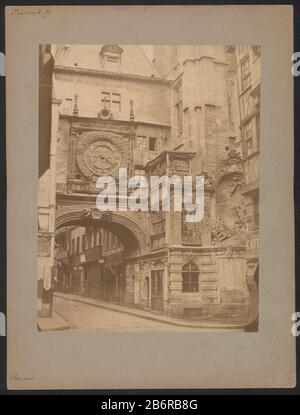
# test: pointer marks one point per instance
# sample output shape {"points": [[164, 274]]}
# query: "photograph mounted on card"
{"points": [[150, 212]]}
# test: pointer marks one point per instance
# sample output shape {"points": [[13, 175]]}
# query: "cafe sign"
{"points": [[253, 242]]}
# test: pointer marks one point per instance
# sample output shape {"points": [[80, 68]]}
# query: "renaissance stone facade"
{"points": [[179, 114]]}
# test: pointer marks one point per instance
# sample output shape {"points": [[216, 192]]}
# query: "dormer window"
{"points": [[111, 63], [111, 57]]}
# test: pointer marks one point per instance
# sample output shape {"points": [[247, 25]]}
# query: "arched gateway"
{"points": [[86, 265], [125, 228]]}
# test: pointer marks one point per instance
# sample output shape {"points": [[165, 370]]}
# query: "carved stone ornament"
{"points": [[233, 164], [237, 230], [220, 232], [96, 214], [209, 180], [158, 262], [191, 257]]}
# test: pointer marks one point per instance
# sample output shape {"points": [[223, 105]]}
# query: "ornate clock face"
{"points": [[102, 157]]}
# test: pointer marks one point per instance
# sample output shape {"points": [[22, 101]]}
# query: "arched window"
{"points": [[190, 278]]}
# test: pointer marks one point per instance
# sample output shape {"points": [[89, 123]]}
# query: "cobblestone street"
{"points": [[88, 317]]}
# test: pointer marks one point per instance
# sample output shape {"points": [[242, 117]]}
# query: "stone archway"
{"points": [[119, 223]]}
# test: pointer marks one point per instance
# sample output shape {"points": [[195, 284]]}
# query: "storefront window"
{"points": [[190, 277]]}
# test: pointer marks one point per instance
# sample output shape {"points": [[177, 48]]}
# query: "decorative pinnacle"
{"points": [[131, 111], [75, 110]]}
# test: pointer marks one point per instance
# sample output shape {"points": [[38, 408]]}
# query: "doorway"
{"points": [[157, 290]]}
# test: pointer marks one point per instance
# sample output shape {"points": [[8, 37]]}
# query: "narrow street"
{"points": [[88, 317]]}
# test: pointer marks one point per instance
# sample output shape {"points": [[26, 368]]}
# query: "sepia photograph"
{"points": [[148, 190]]}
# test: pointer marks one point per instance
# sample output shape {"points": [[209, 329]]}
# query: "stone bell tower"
{"points": [[205, 119]]}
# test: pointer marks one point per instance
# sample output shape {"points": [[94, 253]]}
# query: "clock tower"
{"points": [[97, 148]]}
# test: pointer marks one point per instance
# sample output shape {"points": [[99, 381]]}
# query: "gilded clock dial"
{"points": [[102, 157]]}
